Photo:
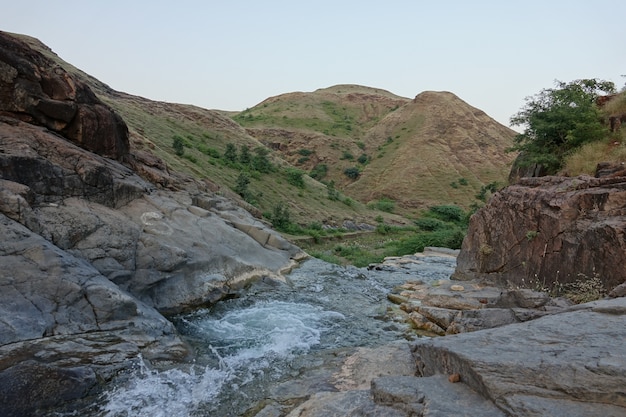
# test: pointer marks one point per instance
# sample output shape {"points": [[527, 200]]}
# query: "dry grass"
{"points": [[585, 160]]}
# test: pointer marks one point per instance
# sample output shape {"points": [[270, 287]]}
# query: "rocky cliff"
{"points": [[549, 233], [92, 253]]}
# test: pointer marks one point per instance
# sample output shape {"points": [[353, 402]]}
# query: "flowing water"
{"points": [[279, 340]]}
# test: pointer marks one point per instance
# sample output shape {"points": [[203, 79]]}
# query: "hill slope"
{"points": [[435, 149], [406, 150]]}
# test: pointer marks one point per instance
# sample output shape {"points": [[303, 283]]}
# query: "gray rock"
{"points": [[557, 359]]}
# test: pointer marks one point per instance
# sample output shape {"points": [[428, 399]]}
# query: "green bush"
{"points": [[449, 213], [319, 171], [178, 143], [295, 177], [230, 154], [429, 224], [353, 173], [280, 217], [384, 204]]}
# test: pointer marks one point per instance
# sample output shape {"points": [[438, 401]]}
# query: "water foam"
{"points": [[243, 344]]}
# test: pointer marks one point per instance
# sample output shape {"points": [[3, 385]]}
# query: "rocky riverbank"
{"points": [[506, 353]]}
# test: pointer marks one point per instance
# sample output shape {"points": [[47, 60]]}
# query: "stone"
{"points": [[543, 366], [365, 364], [38, 91], [548, 231]]}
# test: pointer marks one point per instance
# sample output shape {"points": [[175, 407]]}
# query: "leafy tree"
{"points": [[281, 218], [260, 161], [178, 143], [241, 187], [244, 155], [558, 120], [230, 154]]}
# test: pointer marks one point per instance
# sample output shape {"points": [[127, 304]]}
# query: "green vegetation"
{"points": [[559, 120], [441, 226], [384, 204], [352, 172], [295, 177], [178, 143], [319, 171]]}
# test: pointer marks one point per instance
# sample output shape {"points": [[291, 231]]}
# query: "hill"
{"points": [[434, 149]]}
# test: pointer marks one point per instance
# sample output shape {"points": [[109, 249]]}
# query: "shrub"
{"points": [[280, 217], [295, 177], [230, 154], [353, 173], [178, 143], [347, 156], [429, 224], [449, 213], [319, 171], [363, 159], [384, 204]]}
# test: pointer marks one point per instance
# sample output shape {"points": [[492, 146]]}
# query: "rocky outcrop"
{"points": [[563, 364], [93, 254], [549, 233], [36, 90], [566, 364]]}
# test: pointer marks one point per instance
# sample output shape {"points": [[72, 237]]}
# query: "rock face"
{"points": [[566, 364], [35, 90], [549, 232], [92, 254]]}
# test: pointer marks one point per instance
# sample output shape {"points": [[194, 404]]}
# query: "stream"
{"points": [[278, 342]]}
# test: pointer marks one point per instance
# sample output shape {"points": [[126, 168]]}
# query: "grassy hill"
{"points": [[373, 145]]}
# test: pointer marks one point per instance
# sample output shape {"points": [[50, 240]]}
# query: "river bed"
{"points": [[277, 343]]}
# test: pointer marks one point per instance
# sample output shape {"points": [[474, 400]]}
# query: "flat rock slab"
{"points": [[556, 361]]}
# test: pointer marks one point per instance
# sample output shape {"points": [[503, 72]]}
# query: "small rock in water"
{"points": [[457, 287]]}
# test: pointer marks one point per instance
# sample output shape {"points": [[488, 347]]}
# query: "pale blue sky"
{"points": [[231, 55]]}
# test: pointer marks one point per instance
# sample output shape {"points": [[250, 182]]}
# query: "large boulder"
{"points": [[36, 90], [548, 233]]}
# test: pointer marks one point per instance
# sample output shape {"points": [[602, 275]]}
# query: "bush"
{"points": [[280, 217], [429, 224], [449, 213], [178, 143], [230, 154], [353, 173], [319, 171], [295, 177], [384, 204]]}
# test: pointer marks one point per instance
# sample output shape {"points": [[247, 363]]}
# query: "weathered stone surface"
{"points": [[547, 231], [358, 370], [543, 366], [34, 89], [52, 385]]}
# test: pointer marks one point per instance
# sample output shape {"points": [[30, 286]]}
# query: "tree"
{"points": [[241, 187], [178, 144], [244, 155], [281, 218], [260, 160], [230, 154], [558, 120]]}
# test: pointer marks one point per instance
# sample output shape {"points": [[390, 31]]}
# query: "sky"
{"points": [[231, 55]]}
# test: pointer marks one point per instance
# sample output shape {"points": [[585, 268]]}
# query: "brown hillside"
{"points": [[435, 149], [430, 148]]}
